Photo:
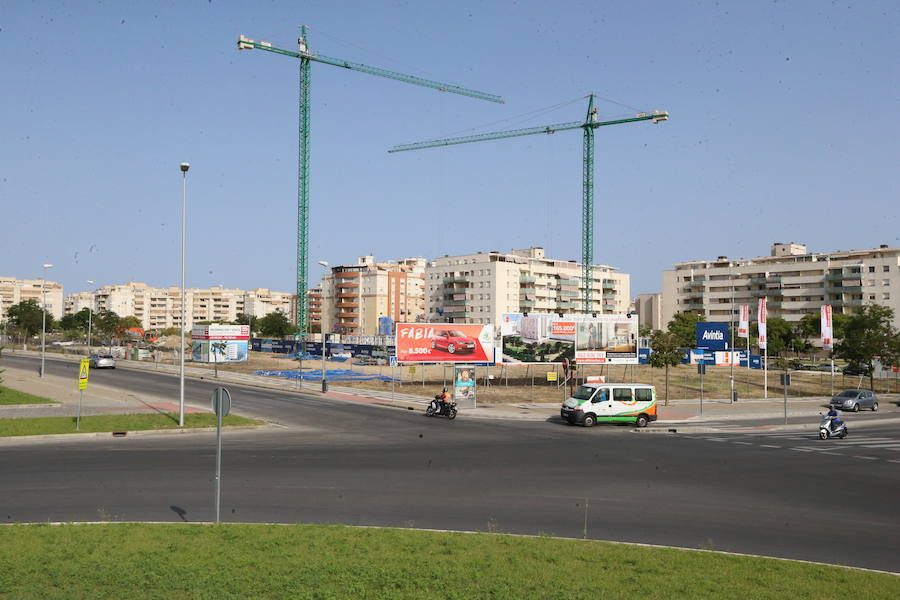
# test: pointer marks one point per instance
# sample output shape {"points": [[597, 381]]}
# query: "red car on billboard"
{"points": [[453, 341], [444, 342]]}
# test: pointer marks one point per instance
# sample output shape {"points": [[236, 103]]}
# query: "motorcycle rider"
{"points": [[441, 400], [835, 416]]}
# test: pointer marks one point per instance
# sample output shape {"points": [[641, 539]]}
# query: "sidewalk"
{"points": [[685, 415]]}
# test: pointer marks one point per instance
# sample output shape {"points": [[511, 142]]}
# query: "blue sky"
{"points": [[781, 129]]}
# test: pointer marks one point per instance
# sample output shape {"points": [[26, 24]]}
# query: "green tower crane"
{"points": [[587, 202], [306, 57]]}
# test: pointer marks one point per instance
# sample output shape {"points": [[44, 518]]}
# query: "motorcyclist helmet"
{"points": [[445, 389]]}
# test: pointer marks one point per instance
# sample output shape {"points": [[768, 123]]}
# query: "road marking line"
{"points": [[802, 449], [866, 457], [768, 446], [744, 443]]}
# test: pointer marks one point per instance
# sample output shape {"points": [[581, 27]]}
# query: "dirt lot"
{"points": [[505, 384]]}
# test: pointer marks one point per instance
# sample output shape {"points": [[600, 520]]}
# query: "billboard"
{"points": [[464, 383], [586, 339], [444, 342], [712, 336], [208, 351], [220, 332]]}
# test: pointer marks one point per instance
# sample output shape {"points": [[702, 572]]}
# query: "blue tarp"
{"points": [[330, 374]]}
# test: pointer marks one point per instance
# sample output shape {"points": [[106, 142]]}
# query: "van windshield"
{"points": [[584, 393]]}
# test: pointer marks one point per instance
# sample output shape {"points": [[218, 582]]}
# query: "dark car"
{"points": [[452, 341], [855, 400], [856, 370]]}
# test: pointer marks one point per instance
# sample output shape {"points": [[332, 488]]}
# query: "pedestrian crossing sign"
{"points": [[83, 373]]}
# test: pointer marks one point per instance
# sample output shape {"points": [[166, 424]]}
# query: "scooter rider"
{"points": [[441, 400], [834, 415]]}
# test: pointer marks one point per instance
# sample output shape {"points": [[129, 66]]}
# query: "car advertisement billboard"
{"points": [[444, 342], [220, 332], [550, 338]]}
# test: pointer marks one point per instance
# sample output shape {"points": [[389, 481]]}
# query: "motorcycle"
{"points": [[441, 409], [827, 429]]}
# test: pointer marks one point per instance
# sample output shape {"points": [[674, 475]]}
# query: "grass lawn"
{"points": [[10, 396], [103, 423], [122, 560]]}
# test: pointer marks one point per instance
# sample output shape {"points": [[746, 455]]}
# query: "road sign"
{"points": [[786, 379], [551, 376], [393, 361], [83, 370], [701, 368], [221, 401]]}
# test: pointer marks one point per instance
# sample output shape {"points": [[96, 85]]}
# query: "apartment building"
{"points": [[13, 291], [794, 281], [480, 288], [354, 297], [314, 308], [649, 310], [160, 308]]}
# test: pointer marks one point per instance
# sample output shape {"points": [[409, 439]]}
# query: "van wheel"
{"points": [[641, 421], [589, 420]]}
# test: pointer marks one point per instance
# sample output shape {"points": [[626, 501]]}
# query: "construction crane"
{"points": [[306, 57], [590, 123]]}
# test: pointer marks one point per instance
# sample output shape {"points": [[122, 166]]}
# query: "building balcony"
{"points": [[347, 294], [565, 305], [347, 304], [455, 302], [695, 283], [842, 276], [526, 279], [610, 296], [847, 289], [565, 281], [347, 284], [346, 274], [526, 303], [451, 280], [527, 289], [569, 293], [346, 315]]}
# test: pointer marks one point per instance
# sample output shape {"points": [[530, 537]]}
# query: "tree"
{"points": [[275, 324], [105, 322], [810, 326], [126, 323], [665, 353], [870, 333], [644, 331], [684, 327], [25, 318], [77, 321]]}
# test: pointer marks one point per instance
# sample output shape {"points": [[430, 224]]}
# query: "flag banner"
{"points": [[763, 339], [827, 335], [744, 321]]}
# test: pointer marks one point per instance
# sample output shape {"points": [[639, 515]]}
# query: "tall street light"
{"points": [[324, 263], [184, 169], [43, 313], [90, 314]]}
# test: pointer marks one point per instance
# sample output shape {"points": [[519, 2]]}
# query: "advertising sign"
{"points": [[827, 339], [208, 351], [221, 332], [744, 321], [550, 338], [607, 339], [712, 336], [763, 338], [385, 326], [464, 383], [444, 342]]}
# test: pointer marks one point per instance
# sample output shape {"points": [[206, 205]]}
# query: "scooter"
{"points": [[441, 409], [827, 429]]}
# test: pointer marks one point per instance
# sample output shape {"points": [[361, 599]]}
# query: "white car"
{"points": [[102, 361]]}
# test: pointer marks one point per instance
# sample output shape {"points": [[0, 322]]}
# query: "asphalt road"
{"points": [[330, 461]]}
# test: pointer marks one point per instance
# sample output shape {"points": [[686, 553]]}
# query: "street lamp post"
{"points": [[324, 263], [731, 332], [90, 314], [43, 313], [184, 169]]}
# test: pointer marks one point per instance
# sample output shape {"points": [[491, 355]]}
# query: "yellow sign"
{"points": [[412, 370], [551, 376], [83, 373]]}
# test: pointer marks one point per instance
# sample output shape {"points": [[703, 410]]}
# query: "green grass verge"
{"points": [[10, 396], [121, 560], [103, 423]]}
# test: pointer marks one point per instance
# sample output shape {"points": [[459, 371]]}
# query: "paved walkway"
{"points": [[687, 415]]}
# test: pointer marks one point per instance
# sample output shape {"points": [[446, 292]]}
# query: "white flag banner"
{"points": [[763, 338], [827, 336], [744, 321]]}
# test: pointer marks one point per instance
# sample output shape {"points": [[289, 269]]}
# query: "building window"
{"points": [[886, 296], [886, 268], [885, 282], [871, 269], [871, 296]]}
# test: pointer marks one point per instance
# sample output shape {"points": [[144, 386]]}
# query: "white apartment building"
{"points": [[794, 281], [160, 308], [13, 291], [480, 288], [354, 297]]}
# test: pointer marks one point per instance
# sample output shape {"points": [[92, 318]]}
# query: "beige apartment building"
{"points": [[649, 310], [794, 281], [160, 308], [480, 288], [13, 291], [353, 297]]}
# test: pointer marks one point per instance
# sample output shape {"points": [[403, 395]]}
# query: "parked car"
{"points": [[452, 341], [856, 370], [102, 361], [855, 400]]}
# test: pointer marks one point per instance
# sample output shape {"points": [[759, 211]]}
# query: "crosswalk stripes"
{"points": [[885, 448]]}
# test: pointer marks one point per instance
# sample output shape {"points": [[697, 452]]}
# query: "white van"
{"points": [[611, 403]]}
